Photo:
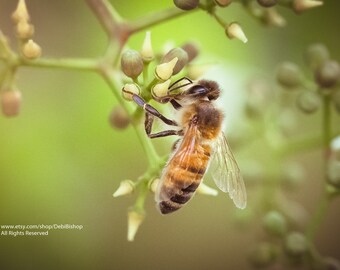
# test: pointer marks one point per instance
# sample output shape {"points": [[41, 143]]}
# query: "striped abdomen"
{"points": [[181, 177]]}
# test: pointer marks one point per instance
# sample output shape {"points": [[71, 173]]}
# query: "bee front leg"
{"points": [[148, 127], [151, 110]]}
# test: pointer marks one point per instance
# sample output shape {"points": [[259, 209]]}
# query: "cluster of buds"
{"points": [[25, 31], [264, 10], [136, 66], [326, 79], [10, 96]]}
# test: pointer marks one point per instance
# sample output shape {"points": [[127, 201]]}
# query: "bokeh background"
{"points": [[60, 161]]}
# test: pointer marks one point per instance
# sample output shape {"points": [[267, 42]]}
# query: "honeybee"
{"points": [[203, 144]]}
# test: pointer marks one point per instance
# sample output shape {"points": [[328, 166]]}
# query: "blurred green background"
{"points": [[60, 161]]}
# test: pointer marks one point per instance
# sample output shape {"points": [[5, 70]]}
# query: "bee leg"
{"points": [[165, 133], [148, 126], [151, 110]]}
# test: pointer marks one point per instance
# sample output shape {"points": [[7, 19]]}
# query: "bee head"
{"points": [[204, 89]]}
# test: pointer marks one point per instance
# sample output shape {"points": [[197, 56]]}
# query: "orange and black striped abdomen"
{"points": [[181, 178]]}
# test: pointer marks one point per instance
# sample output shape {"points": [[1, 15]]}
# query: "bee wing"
{"points": [[226, 172], [181, 158]]}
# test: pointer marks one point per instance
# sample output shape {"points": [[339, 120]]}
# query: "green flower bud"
{"points": [[164, 71], [315, 55], [223, 3], [328, 74], [10, 102], [308, 101], [118, 118], [275, 223], [132, 63], [182, 59], [272, 17], [333, 173], [289, 75], [296, 244], [263, 255], [186, 4], [336, 99], [267, 3], [191, 49]]}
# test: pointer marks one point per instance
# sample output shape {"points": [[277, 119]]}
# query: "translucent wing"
{"points": [[226, 172]]}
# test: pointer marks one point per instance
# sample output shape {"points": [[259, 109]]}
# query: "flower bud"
{"points": [[308, 101], [126, 187], [153, 184], [333, 172], [316, 55], [129, 89], [267, 3], [263, 255], [182, 59], [272, 17], [296, 244], [20, 13], [147, 51], [186, 4], [223, 3], [160, 89], [164, 71], [206, 190], [132, 63], [24, 30], [300, 6], [234, 30], [191, 49], [275, 223], [328, 74], [289, 75], [118, 118], [336, 100], [335, 148], [11, 102], [31, 50], [135, 219]]}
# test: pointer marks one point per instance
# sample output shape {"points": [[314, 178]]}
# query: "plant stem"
{"points": [[67, 63], [107, 16], [325, 200], [154, 18]]}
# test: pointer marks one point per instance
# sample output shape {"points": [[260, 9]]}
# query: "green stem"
{"points": [[325, 200], [67, 63], [154, 18]]}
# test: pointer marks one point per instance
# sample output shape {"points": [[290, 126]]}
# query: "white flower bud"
{"points": [[31, 50], [24, 30], [20, 13], [135, 219], [234, 30], [303, 5], [129, 89], [161, 89], [153, 184], [335, 147], [197, 71], [126, 187], [164, 71], [147, 51], [206, 190]]}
